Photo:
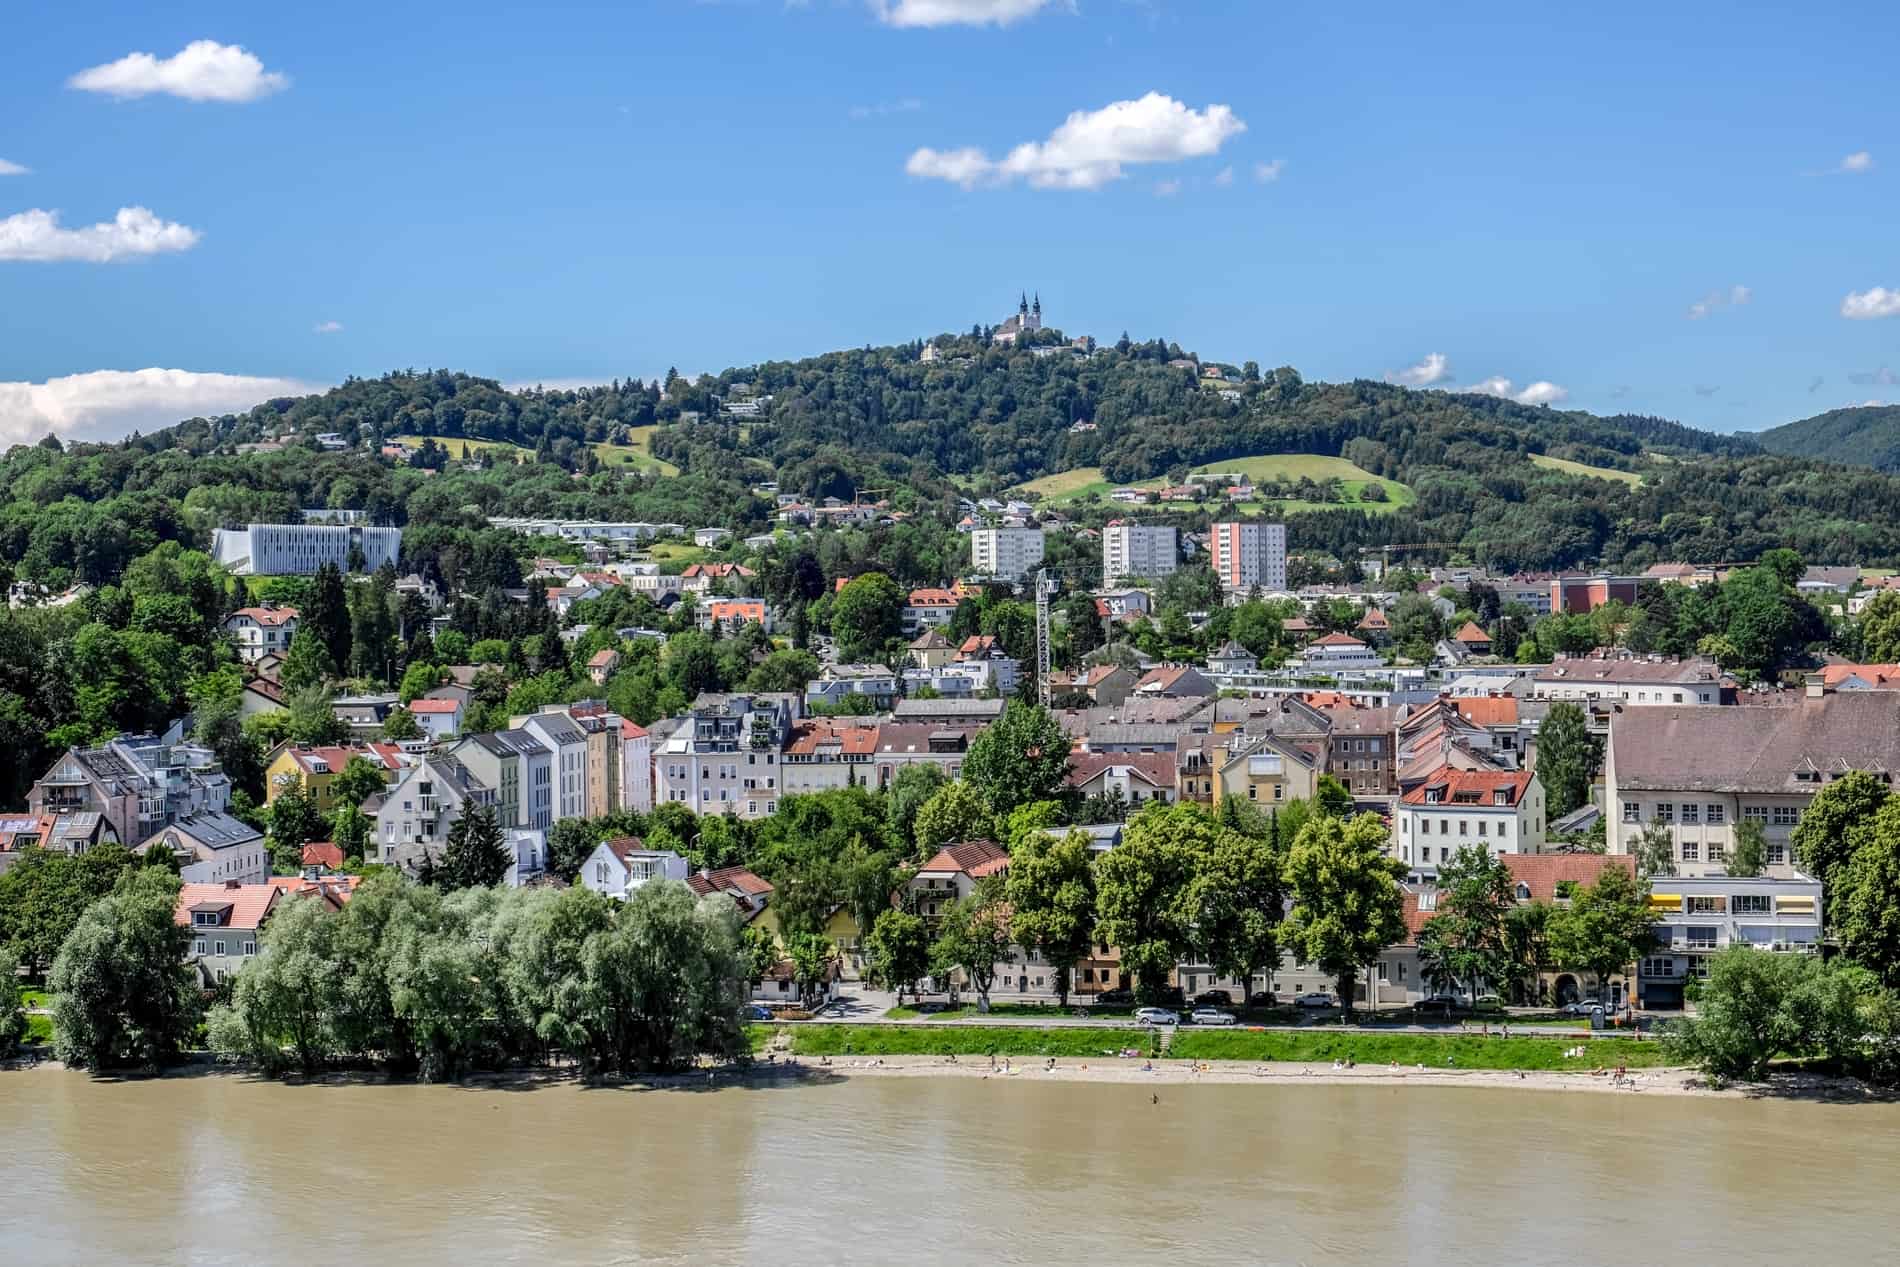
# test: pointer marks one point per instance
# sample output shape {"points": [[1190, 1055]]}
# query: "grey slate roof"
{"points": [[1744, 748]]}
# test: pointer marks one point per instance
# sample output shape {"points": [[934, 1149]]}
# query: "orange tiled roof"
{"points": [[1482, 783], [974, 858]]}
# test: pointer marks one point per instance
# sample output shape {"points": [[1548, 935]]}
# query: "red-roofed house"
{"points": [[952, 873], [261, 631], [829, 752], [1133, 777], [732, 613], [1500, 811], [439, 718], [1338, 651], [323, 853], [1473, 639], [1174, 681], [929, 609], [224, 920], [1374, 627], [601, 665]]}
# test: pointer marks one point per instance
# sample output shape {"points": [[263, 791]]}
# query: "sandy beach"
{"points": [[1670, 1082]]}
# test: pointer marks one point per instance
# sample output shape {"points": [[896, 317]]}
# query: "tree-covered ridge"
{"points": [[1865, 436]]}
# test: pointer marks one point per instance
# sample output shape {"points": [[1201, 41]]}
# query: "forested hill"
{"points": [[1508, 485], [1864, 436]]}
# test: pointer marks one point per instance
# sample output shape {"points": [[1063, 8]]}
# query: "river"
{"points": [[212, 1170]]}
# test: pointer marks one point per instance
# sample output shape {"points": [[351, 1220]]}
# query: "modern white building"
{"points": [[1248, 555], [1699, 916], [723, 756], [1138, 550], [300, 549], [1006, 553], [568, 743], [620, 866], [636, 768]]}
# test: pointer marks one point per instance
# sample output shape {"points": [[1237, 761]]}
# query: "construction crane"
{"points": [[1045, 586]]}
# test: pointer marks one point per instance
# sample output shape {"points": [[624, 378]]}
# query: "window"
{"points": [[1699, 969], [1751, 904], [1424, 826], [1504, 829], [1691, 814], [1755, 814], [1253, 791], [1716, 815], [1777, 853], [1787, 815], [1691, 851], [218, 946], [1484, 828], [201, 946], [1632, 812], [1707, 905], [1279, 792], [1464, 827], [1701, 938], [1665, 811]]}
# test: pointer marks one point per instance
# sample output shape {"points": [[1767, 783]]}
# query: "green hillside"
{"points": [[1864, 436]]}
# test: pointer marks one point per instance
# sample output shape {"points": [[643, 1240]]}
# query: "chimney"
{"points": [[1816, 686], [233, 884]]}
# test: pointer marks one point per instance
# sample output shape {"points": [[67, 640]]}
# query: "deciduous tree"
{"points": [[1347, 904], [1567, 758], [123, 996]]}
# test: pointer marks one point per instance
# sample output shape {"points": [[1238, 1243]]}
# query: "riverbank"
{"points": [[1654, 1081]]}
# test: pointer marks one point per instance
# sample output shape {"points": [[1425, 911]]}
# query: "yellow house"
{"points": [[1265, 771], [313, 769], [841, 930]]}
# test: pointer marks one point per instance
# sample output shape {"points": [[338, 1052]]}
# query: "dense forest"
{"points": [[1865, 436]]}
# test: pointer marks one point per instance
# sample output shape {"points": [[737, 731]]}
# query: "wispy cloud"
{"points": [[1092, 147], [905, 105], [109, 404], [329, 327], [12, 169], [1167, 188], [1716, 300], [1814, 384], [1268, 172], [1867, 305], [1225, 176], [929, 13], [204, 70], [37, 235], [1541, 392], [1856, 163], [1434, 368], [1706, 390], [1620, 392], [1882, 377]]}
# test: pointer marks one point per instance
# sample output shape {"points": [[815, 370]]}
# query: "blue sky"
{"points": [[572, 192]]}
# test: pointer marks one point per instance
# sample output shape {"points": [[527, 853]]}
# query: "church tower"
{"points": [[1035, 314]]}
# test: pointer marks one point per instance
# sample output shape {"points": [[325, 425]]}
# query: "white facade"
{"points": [[1426, 836], [1700, 916], [1248, 555], [300, 549], [568, 743], [261, 631], [618, 872], [1006, 553], [636, 769], [1138, 550]]}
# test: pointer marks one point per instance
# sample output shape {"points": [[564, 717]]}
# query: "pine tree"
{"points": [[327, 615], [476, 856]]}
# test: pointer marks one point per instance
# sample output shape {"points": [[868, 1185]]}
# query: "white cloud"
{"points": [[956, 12], [1857, 162], [1225, 176], [204, 70], [1865, 305], [135, 231], [1882, 377], [1090, 148], [1167, 188], [1435, 368], [1716, 300], [905, 105], [1538, 393], [1268, 172], [1868, 404], [12, 169], [109, 404], [329, 327]]}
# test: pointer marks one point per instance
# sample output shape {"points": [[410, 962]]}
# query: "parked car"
{"points": [[1156, 1016], [1438, 1005], [754, 1012], [1582, 1007], [1114, 998], [1211, 1016], [1262, 998], [1214, 998], [1314, 998]]}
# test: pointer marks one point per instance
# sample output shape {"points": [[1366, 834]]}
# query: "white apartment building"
{"points": [[1248, 555], [1138, 550], [1500, 811], [568, 742], [300, 549], [1005, 553], [723, 756], [1702, 915], [1631, 680], [636, 768]]}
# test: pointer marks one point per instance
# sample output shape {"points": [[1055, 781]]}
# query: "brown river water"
{"points": [[214, 1169]]}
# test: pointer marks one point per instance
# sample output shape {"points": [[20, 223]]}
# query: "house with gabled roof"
{"points": [[1499, 811], [620, 866]]}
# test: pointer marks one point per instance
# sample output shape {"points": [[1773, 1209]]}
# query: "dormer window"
{"points": [[1501, 797]]}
